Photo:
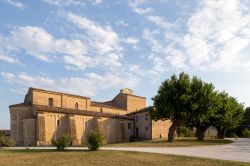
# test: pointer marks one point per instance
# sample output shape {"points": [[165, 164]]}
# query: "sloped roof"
{"points": [[21, 105], [146, 109], [105, 104], [41, 108]]}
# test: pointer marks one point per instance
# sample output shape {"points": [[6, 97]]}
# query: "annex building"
{"points": [[45, 115]]}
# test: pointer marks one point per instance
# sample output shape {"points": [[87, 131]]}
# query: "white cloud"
{"points": [[75, 85], [16, 3], [217, 38], [219, 31], [80, 61], [103, 42], [64, 2], [131, 40], [103, 38], [135, 5], [97, 1], [40, 44], [161, 22], [122, 23], [8, 59]]}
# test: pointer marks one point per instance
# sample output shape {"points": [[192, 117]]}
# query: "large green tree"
{"points": [[203, 97], [173, 101], [229, 114]]}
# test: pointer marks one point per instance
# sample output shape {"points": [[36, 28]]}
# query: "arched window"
{"points": [[51, 102], [58, 122], [76, 106]]}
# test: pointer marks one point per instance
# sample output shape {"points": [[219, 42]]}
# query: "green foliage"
{"points": [[193, 102], [246, 133], [229, 112], [246, 121], [6, 141], [62, 142], [173, 99], [94, 140], [185, 132]]}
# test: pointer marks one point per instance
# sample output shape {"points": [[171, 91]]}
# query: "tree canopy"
{"points": [[185, 100]]}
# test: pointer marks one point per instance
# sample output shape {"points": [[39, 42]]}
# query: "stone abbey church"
{"points": [[45, 115]]}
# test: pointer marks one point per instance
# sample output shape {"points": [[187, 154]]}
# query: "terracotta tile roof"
{"points": [[41, 108], [21, 105], [105, 104], [146, 109]]}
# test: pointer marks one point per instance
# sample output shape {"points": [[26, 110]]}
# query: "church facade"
{"points": [[46, 115]]}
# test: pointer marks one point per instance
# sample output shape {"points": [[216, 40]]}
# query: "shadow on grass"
{"points": [[44, 150]]}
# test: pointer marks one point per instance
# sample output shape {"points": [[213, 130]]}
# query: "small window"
{"points": [[146, 128], [51, 102], [129, 125], [146, 117], [58, 122], [136, 118], [76, 106]]}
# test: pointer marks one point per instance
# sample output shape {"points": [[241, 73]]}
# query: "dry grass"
{"points": [[101, 158], [180, 142]]}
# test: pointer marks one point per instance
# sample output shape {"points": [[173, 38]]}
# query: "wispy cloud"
{"points": [[161, 22], [40, 44], [64, 2], [16, 4], [218, 34], [75, 85], [135, 5], [8, 59]]}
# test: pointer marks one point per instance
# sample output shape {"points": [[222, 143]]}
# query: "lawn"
{"points": [[102, 158], [179, 142]]}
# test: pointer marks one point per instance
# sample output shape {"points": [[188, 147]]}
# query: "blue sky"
{"points": [[96, 47]]}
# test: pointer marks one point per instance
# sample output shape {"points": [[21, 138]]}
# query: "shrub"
{"points": [[94, 140], [233, 135], [246, 133], [185, 132], [62, 142], [6, 141]]}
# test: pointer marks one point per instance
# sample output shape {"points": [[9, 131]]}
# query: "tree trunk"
{"points": [[172, 130], [200, 132], [221, 132]]}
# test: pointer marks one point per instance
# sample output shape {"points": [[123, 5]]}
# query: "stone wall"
{"points": [[60, 100], [142, 125], [160, 128], [77, 126], [135, 103], [20, 117]]}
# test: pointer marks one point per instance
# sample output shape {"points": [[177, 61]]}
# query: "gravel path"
{"points": [[237, 151]]}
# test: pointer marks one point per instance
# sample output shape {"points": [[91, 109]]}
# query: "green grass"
{"points": [[179, 142], [102, 158]]}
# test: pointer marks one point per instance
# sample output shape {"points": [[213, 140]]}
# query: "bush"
{"points": [[233, 135], [246, 133], [62, 142], [185, 132], [6, 141], [94, 140]]}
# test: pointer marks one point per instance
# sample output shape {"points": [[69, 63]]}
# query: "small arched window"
{"points": [[76, 106], [51, 102]]}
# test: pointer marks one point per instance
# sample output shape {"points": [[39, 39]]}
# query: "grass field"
{"points": [[102, 158], [179, 142]]}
